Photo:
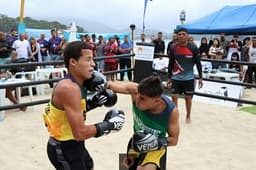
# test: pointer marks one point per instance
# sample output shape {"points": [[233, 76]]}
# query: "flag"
{"points": [[144, 13]]}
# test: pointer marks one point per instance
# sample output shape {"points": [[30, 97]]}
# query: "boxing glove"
{"points": [[107, 98], [96, 83], [144, 142], [111, 97], [95, 100], [114, 120]]}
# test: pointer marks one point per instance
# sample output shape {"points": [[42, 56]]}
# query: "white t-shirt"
{"points": [[22, 48], [252, 54]]}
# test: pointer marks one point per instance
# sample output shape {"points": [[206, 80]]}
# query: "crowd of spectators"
{"points": [[219, 48]]}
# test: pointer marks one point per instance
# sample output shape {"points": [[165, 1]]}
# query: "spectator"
{"points": [[125, 48], [224, 44], [191, 40], [173, 41], [142, 38], [215, 52], [13, 71], [11, 38], [159, 43], [63, 45], [252, 59], [94, 39], [44, 45], [204, 47], [152, 38], [110, 49], [4, 52], [100, 53], [91, 44], [35, 49], [22, 47], [234, 57], [235, 45], [54, 45], [245, 57]]}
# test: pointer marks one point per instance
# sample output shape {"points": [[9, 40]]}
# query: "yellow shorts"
{"points": [[157, 157]]}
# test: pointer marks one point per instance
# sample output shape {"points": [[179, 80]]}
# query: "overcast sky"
{"points": [[162, 15]]}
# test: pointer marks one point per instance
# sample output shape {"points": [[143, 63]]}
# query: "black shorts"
{"points": [[69, 155], [185, 87], [135, 159]]}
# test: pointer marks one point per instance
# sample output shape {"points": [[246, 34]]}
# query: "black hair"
{"points": [[181, 30], [151, 86], [74, 50]]}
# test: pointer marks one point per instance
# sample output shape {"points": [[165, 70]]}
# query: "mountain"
{"points": [[88, 25], [84, 25], [8, 23], [97, 27]]}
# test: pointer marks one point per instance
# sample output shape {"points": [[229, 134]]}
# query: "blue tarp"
{"points": [[229, 19]]}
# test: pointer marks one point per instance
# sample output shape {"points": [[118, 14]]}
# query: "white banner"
{"points": [[145, 53], [219, 89]]}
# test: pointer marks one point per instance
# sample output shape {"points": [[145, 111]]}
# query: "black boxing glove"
{"points": [[107, 98], [145, 142], [114, 120], [95, 100], [96, 83], [111, 97]]}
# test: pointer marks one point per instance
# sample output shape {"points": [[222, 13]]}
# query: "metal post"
{"points": [[22, 11], [21, 25], [132, 27]]}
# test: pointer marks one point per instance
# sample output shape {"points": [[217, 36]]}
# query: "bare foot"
{"points": [[188, 120]]}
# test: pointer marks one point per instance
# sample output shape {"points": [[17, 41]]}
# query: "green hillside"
{"points": [[7, 23]]}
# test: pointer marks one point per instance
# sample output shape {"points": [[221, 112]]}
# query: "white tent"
{"points": [[72, 34]]}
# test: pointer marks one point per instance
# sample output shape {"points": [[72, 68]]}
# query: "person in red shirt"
{"points": [[110, 49]]}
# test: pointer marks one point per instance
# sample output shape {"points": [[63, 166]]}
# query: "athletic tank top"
{"points": [[56, 120], [156, 124]]}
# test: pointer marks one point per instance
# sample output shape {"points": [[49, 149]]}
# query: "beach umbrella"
{"points": [[72, 33]]}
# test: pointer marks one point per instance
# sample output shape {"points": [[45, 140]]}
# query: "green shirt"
{"points": [[156, 124]]}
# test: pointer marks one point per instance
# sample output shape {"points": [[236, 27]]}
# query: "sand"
{"points": [[219, 138]]}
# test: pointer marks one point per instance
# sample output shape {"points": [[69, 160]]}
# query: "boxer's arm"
{"points": [[174, 128], [123, 87]]}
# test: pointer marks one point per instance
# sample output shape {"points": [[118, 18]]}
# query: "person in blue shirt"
{"points": [[43, 47], [125, 48], [54, 45], [11, 38]]}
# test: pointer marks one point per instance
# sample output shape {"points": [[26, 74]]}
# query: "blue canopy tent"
{"points": [[230, 20]]}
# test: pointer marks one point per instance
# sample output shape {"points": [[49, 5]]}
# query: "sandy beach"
{"points": [[219, 138]]}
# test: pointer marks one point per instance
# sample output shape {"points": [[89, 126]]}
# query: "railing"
{"points": [[38, 82], [222, 81], [13, 106]]}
